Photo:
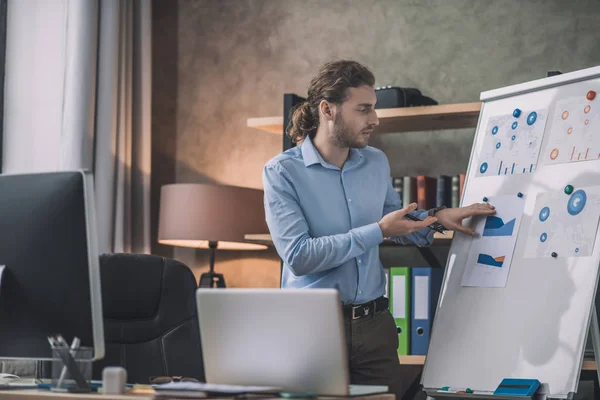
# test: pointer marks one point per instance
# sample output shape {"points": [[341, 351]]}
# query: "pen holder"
{"points": [[72, 374]]}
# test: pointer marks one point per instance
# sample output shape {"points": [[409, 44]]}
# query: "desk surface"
{"points": [[143, 395], [47, 395]]}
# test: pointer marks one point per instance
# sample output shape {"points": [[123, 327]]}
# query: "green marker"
{"points": [[569, 189], [445, 388]]}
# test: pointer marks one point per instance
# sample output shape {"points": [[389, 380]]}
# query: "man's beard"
{"points": [[342, 137]]}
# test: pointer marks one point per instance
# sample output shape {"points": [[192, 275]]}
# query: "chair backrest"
{"points": [[150, 320]]}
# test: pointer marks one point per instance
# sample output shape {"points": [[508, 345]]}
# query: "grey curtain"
{"points": [[78, 95], [122, 130]]}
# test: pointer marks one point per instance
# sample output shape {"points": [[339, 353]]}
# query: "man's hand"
{"points": [[452, 218], [394, 224]]}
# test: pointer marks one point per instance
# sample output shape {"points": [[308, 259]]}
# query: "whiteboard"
{"points": [[536, 326]]}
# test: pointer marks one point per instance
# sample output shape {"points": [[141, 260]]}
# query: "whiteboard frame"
{"points": [[538, 84], [497, 94]]}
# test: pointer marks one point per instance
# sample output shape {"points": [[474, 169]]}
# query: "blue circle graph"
{"points": [[514, 137], [531, 118], [494, 130], [544, 213], [514, 125], [577, 202], [483, 168], [577, 250], [543, 237], [498, 145]]}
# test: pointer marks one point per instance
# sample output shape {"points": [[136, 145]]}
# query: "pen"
{"points": [[74, 346], [435, 226]]}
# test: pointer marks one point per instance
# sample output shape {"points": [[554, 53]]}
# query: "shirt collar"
{"points": [[312, 156]]}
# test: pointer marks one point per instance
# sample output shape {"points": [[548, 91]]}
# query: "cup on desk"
{"points": [[62, 379], [114, 380]]}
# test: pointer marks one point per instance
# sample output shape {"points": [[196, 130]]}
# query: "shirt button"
{"points": [[349, 200], [360, 292], [359, 260]]}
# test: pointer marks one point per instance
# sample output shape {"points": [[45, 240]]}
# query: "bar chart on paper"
{"points": [[503, 169], [512, 143], [580, 155]]}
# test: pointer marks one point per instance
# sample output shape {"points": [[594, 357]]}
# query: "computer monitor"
{"points": [[50, 282]]}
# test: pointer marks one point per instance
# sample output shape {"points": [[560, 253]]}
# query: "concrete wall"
{"points": [[219, 62]]}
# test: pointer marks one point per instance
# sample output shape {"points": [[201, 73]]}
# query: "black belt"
{"points": [[356, 311]]}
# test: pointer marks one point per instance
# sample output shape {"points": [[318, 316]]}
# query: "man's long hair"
{"points": [[331, 83]]}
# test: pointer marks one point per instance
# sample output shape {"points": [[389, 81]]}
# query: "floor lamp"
{"points": [[211, 217]]}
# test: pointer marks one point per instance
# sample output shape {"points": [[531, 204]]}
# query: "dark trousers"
{"points": [[373, 351]]}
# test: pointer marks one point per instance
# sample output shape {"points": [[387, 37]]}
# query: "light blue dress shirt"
{"points": [[324, 221]]}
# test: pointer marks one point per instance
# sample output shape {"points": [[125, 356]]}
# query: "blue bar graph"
{"points": [[505, 170], [500, 168], [513, 169], [531, 168], [523, 170]]}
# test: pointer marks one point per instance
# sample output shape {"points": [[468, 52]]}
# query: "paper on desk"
{"points": [[215, 388]]}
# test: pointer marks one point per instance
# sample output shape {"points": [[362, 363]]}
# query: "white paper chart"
{"points": [[574, 130], [512, 143], [491, 252], [564, 224]]}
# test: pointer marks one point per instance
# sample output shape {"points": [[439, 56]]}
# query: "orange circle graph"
{"points": [[587, 109], [565, 114], [570, 130], [554, 154], [587, 121]]}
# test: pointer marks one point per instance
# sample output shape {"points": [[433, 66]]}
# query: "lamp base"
{"points": [[211, 279]]}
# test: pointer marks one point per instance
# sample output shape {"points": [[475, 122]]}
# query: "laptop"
{"points": [[292, 339]]}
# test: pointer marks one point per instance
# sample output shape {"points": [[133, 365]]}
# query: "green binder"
{"points": [[399, 292]]}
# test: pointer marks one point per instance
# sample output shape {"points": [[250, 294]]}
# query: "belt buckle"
{"points": [[367, 309], [354, 308]]}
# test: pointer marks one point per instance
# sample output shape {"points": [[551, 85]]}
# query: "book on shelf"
{"points": [[429, 192]]}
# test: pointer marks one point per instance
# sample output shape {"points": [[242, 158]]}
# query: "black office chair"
{"points": [[150, 321]]}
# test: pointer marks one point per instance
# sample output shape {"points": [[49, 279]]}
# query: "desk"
{"points": [[46, 395]]}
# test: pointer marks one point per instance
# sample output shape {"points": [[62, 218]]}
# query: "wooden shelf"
{"points": [[267, 124], [266, 239], [588, 365], [412, 360], [407, 119], [260, 239]]}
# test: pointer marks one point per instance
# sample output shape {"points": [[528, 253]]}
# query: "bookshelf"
{"points": [[406, 119]]}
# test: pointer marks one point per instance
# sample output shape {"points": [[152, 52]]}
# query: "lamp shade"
{"points": [[192, 215]]}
